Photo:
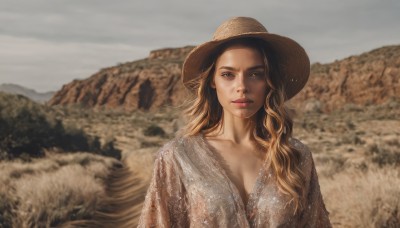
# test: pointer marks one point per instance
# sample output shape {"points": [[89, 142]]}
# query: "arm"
{"points": [[314, 213], [165, 202]]}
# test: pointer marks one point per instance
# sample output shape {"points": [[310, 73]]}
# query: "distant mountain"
{"points": [[150, 83], [30, 93]]}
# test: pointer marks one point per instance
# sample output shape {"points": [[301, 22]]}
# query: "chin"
{"points": [[245, 114]]}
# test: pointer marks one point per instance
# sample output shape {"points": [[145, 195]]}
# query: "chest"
{"points": [[216, 201], [241, 164]]}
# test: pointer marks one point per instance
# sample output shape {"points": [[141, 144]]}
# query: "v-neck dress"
{"points": [[189, 188]]}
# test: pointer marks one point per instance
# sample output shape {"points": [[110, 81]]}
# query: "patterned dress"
{"points": [[189, 188]]}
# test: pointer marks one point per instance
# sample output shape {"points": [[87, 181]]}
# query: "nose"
{"points": [[241, 84]]}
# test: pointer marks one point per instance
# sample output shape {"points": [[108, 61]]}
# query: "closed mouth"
{"points": [[242, 100]]}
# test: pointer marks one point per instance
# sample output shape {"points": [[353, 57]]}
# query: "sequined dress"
{"points": [[189, 188]]}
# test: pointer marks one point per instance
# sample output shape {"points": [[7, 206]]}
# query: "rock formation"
{"points": [[370, 78], [145, 84], [148, 84]]}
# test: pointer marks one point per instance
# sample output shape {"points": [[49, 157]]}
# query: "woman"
{"points": [[236, 164]]}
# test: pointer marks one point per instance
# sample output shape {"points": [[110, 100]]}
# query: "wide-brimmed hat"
{"points": [[291, 60]]}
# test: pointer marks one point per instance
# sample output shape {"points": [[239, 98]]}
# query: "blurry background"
{"points": [[101, 92]]}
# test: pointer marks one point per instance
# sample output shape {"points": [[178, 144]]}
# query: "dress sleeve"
{"points": [[314, 213], [165, 204]]}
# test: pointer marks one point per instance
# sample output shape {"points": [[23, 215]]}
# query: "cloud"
{"points": [[46, 43], [45, 65]]}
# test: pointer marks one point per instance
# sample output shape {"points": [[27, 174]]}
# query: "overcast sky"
{"points": [[47, 43]]}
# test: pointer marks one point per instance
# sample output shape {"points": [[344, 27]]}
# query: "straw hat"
{"points": [[292, 60]]}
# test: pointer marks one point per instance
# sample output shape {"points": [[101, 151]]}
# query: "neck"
{"points": [[236, 129]]}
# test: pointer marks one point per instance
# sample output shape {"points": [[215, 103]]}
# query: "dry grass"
{"points": [[125, 193], [50, 191], [141, 162], [127, 128], [368, 198], [60, 188]]}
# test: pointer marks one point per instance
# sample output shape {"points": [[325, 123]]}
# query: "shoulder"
{"points": [[174, 147], [299, 145], [305, 153]]}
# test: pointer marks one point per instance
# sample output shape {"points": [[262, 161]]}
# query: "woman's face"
{"points": [[240, 81]]}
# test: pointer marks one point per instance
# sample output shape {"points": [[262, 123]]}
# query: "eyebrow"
{"points": [[234, 69]]}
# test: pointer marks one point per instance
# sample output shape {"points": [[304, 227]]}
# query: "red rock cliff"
{"points": [[147, 84], [370, 78]]}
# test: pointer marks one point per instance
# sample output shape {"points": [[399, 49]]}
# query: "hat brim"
{"points": [[292, 60]]}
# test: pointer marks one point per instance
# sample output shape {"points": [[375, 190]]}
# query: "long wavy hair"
{"points": [[273, 126]]}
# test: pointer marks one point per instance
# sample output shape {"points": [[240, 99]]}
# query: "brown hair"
{"points": [[273, 123]]}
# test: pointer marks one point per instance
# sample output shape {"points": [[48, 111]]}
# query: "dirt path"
{"points": [[125, 195]]}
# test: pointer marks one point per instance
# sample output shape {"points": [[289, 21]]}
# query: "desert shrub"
{"points": [[308, 125], [394, 142], [47, 200], [154, 130], [359, 198], [52, 190], [27, 128], [7, 206], [350, 125], [108, 149], [331, 165], [383, 155], [24, 127], [351, 138], [387, 158]]}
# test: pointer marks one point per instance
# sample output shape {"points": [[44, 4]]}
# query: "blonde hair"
{"points": [[273, 123]]}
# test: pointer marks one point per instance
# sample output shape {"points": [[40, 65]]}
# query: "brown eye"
{"points": [[257, 75], [227, 74]]}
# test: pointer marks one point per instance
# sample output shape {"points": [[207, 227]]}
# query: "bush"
{"points": [[109, 150], [383, 155], [51, 191], [7, 206], [154, 130], [24, 129], [27, 128]]}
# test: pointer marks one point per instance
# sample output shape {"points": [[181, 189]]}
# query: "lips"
{"points": [[242, 100]]}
